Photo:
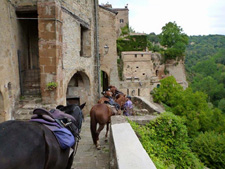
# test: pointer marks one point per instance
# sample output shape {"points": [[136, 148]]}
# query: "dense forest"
{"points": [[205, 67]]}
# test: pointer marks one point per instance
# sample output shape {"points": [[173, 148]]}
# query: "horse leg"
{"points": [[107, 130], [101, 126]]}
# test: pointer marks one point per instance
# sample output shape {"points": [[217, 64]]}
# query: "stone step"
{"points": [[26, 106]]}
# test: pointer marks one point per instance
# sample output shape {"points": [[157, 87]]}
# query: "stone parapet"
{"points": [[143, 103], [126, 151]]}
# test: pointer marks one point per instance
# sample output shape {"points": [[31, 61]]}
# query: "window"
{"points": [[121, 21], [85, 42], [135, 55]]}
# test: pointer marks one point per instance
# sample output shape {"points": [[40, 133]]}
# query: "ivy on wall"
{"points": [[132, 43]]}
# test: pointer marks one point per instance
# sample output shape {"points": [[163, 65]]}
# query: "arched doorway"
{"points": [[2, 112], [104, 81], [78, 89]]}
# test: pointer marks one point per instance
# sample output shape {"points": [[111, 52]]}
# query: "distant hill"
{"points": [[205, 67], [202, 48]]}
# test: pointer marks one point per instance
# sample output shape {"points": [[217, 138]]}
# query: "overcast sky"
{"points": [[195, 17]]}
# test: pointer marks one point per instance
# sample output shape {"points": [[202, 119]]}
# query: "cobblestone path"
{"points": [[87, 156]]}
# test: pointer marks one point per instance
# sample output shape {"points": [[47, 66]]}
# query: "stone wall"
{"points": [[136, 88], [122, 19], [142, 72], [9, 71], [76, 15], [177, 69], [137, 65], [107, 36]]}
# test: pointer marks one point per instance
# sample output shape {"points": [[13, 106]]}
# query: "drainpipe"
{"points": [[97, 46]]}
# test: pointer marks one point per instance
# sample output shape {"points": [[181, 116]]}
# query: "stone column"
{"points": [[50, 49]]}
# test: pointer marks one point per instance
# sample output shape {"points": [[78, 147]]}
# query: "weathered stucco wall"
{"points": [[9, 74], [107, 36]]}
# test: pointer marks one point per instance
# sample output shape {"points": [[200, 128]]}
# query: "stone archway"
{"points": [[78, 90], [2, 112]]}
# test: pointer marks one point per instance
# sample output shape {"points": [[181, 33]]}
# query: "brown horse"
{"points": [[100, 114], [106, 96], [113, 89]]}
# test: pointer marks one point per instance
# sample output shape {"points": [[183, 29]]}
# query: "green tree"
{"points": [[173, 38], [192, 106], [210, 147], [221, 105]]}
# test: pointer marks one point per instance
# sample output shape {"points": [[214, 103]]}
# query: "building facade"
{"points": [[122, 17], [107, 47], [143, 70], [43, 43]]}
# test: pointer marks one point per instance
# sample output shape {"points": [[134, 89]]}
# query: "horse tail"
{"points": [[93, 126]]}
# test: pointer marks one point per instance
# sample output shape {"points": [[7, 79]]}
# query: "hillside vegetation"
{"points": [[189, 135], [205, 66]]}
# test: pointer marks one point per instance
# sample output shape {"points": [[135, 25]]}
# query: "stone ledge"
{"points": [[141, 102], [126, 151]]}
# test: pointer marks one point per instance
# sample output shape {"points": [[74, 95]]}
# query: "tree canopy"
{"points": [[175, 41]]}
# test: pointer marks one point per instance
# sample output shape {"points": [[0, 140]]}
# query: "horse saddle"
{"points": [[61, 118], [54, 115], [60, 123]]}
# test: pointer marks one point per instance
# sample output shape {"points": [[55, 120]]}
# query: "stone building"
{"points": [[107, 47], [143, 70], [122, 17], [48, 42]]}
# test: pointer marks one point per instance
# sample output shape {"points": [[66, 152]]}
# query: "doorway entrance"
{"points": [[104, 81], [28, 56]]}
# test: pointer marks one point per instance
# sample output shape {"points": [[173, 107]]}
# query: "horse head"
{"points": [[121, 99], [108, 93], [75, 111], [113, 89]]}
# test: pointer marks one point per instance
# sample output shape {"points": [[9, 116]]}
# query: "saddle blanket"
{"points": [[64, 137]]}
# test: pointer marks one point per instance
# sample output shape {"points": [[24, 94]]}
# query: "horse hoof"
{"points": [[98, 147], [106, 139]]}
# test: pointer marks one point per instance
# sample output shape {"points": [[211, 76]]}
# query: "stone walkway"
{"points": [[87, 156]]}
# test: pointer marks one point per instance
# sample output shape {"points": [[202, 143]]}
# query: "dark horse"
{"points": [[31, 145], [101, 114]]}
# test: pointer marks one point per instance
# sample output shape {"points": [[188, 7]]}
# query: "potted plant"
{"points": [[52, 85]]}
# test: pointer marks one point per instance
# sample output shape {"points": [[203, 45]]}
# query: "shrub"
{"points": [[210, 147], [52, 85], [166, 141]]}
